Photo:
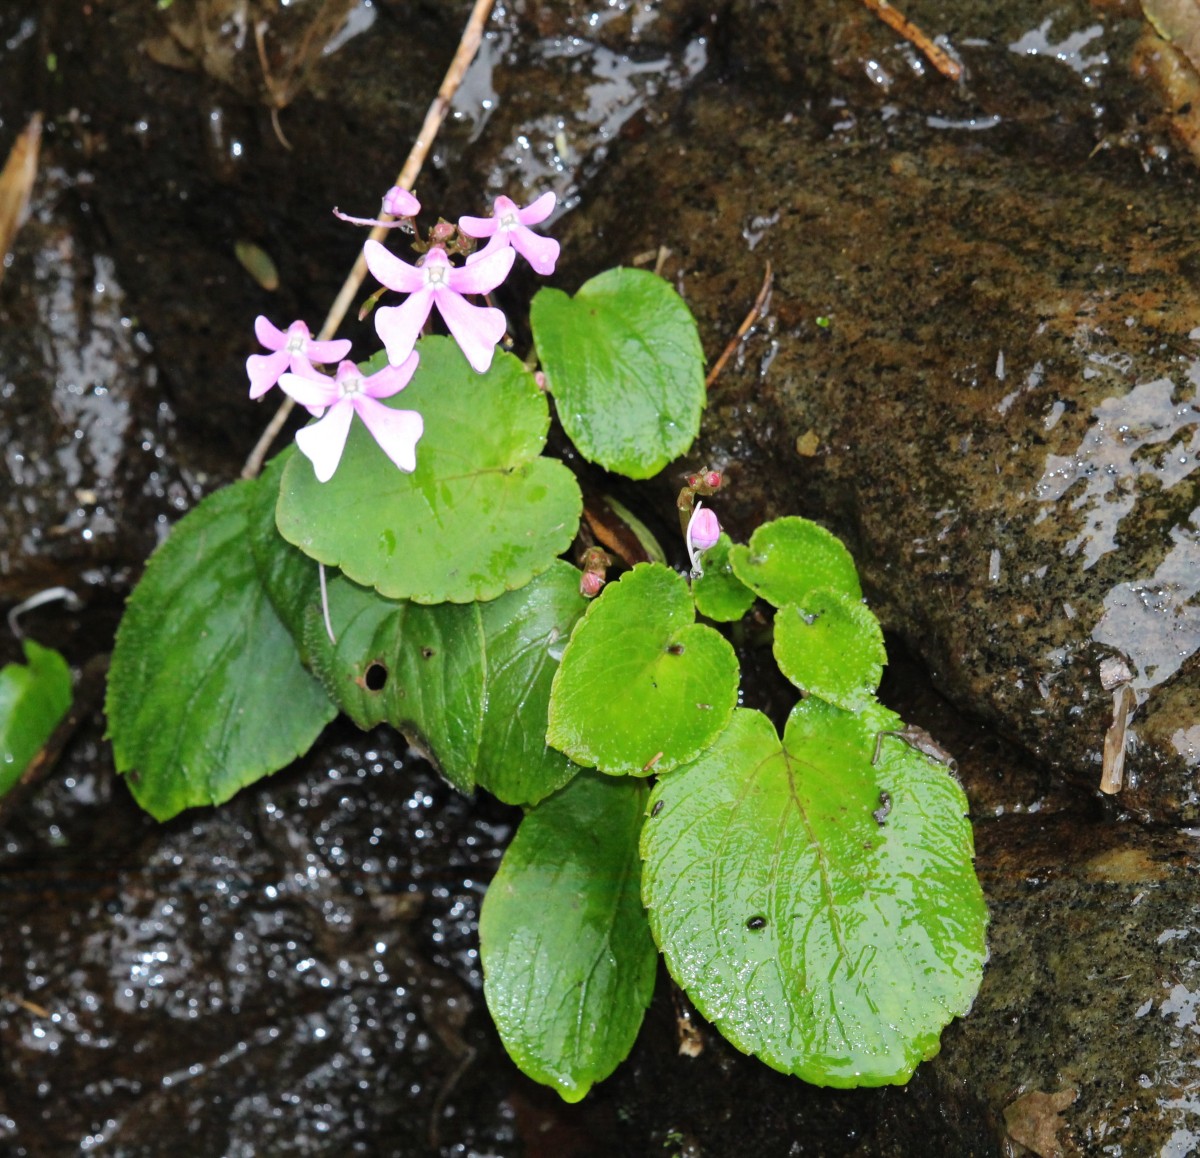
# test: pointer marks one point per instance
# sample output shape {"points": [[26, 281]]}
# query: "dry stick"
{"points": [[934, 53], [468, 46], [760, 303]]}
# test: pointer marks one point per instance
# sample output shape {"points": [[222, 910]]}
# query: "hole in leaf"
{"points": [[427, 653], [756, 923], [375, 678], [675, 649]]}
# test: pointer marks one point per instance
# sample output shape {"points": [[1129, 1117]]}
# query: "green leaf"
{"points": [[821, 911], [642, 687], [719, 593], [206, 692], [625, 366], [482, 514], [34, 697], [568, 960], [469, 683], [788, 558], [289, 576], [833, 648]]}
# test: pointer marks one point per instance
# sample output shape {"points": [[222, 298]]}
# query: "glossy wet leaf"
{"points": [[624, 363], [719, 593], [788, 558], [821, 911], [833, 648], [206, 691], [567, 955], [482, 514], [642, 686], [34, 697], [469, 682], [288, 575]]}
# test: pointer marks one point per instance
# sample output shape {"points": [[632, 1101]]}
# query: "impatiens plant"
{"points": [[811, 889]]}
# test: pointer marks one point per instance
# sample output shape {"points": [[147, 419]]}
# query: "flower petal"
{"points": [[537, 210], [334, 351], [390, 270], [264, 370], [399, 327], [478, 226], [269, 335], [540, 252], [484, 274], [324, 441], [498, 241], [396, 431], [391, 379], [476, 329], [310, 391]]}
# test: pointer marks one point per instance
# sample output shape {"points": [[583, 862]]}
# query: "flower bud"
{"points": [[591, 583], [713, 479], [441, 233], [399, 202], [703, 531]]}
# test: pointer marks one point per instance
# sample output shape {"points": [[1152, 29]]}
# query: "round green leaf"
{"points": [[821, 911], [788, 558], [468, 683], [482, 514], [206, 691], [34, 697], [567, 956], [719, 593], [642, 687], [833, 648], [625, 366]]}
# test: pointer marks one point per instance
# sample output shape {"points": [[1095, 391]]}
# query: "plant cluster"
{"points": [[812, 892]]}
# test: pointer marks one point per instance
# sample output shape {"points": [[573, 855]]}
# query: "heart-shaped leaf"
{"points": [[470, 683], [821, 911], [34, 696], [626, 369], [482, 514], [568, 960], [833, 648], [206, 691], [719, 593], [788, 558], [642, 687]]}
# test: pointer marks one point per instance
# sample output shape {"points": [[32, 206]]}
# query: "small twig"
{"points": [[468, 46], [87, 698], [934, 53], [760, 304]]}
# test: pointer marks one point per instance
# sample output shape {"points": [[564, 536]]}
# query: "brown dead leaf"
{"points": [[1035, 1119], [1178, 23], [16, 184]]}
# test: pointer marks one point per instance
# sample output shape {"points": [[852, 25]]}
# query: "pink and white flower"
{"points": [[349, 393], [508, 225], [435, 282], [398, 202], [294, 350]]}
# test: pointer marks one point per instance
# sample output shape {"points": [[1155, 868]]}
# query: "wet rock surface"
{"points": [[977, 366], [999, 416]]}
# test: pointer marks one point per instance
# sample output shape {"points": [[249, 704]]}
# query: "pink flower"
{"points": [[347, 394], [703, 531], [435, 282], [295, 351], [398, 202], [507, 226]]}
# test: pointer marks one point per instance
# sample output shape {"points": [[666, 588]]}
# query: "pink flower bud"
{"points": [[441, 233], [399, 202], [713, 479], [705, 530], [591, 583]]}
